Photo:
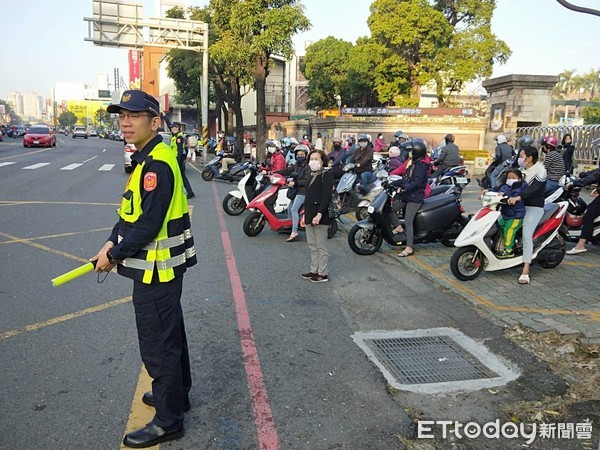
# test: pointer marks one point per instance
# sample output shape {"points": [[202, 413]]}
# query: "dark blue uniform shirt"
{"points": [[155, 204]]}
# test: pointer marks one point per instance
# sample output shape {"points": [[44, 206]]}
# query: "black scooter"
{"points": [[440, 219]]}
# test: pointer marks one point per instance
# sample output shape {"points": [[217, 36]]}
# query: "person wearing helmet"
{"points": [[351, 148], [337, 157], [553, 162], [300, 174], [412, 188], [592, 211], [232, 153], [363, 158], [286, 144], [502, 153], [395, 160], [533, 197], [449, 157], [275, 159]]}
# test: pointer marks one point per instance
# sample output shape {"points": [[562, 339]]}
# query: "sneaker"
{"points": [[308, 276], [505, 254], [319, 279]]}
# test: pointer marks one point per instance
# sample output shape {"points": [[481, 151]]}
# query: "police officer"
{"points": [[178, 146], [153, 245]]}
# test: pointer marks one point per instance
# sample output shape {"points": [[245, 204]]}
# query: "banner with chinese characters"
{"points": [[399, 111], [135, 71]]}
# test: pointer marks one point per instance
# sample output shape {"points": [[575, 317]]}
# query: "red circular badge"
{"points": [[150, 181]]}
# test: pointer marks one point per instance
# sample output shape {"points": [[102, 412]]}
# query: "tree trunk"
{"points": [[260, 78]]}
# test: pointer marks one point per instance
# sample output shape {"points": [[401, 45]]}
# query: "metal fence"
{"points": [[586, 139]]}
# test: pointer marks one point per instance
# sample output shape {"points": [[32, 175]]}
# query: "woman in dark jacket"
{"points": [[568, 150], [300, 172], [316, 216], [412, 187], [592, 211]]}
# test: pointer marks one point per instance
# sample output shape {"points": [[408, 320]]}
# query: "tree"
{"points": [[448, 41], [267, 26], [67, 119], [8, 108], [564, 85], [591, 114], [101, 117]]}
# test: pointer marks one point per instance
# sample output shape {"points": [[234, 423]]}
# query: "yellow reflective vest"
{"points": [[172, 251]]}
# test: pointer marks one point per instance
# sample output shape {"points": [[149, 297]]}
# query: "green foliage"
{"points": [[102, 116], [591, 115], [185, 67], [67, 119], [14, 117]]}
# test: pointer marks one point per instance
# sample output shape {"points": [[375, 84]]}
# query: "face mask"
{"points": [[300, 159], [511, 181], [362, 144], [315, 166], [337, 146], [521, 162], [271, 149]]}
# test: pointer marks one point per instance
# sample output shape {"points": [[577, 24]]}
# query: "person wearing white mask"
{"points": [[533, 196], [316, 215]]}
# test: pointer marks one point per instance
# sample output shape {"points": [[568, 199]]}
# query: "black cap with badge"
{"points": [[136, 101]]}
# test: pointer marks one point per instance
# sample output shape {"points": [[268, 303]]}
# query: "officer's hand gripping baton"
{"points": [[75, 273]]}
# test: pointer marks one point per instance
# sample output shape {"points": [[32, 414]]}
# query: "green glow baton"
{"points": [[75, 273]]}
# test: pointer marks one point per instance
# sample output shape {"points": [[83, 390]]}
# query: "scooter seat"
{"points": [[436, 202], [549, 209], [440, 189]]}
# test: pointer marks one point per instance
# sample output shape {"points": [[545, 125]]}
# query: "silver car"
{"points": [[80, 132]]}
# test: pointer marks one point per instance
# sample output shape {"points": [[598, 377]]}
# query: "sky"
{"points": [[47, 38]]}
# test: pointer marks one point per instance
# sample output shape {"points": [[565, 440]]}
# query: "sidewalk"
{"points": [[565, 299]]}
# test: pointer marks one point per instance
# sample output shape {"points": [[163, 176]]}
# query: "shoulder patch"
{"points": [[150, 181]]}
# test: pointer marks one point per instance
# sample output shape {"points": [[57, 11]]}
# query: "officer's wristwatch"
{"points": [[110, 257]]}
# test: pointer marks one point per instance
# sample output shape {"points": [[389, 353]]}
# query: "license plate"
{"points": [[36, 142], [462, 180]]}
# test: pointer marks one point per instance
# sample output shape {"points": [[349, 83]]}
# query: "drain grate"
{"points": [[434, 360]]}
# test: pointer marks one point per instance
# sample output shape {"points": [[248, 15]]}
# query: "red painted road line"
{"points": [[263, 417]]}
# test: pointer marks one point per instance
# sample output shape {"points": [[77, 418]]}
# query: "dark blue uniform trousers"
{"points": [[163, 347]]}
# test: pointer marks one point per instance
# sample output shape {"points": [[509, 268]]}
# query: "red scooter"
{"points": [[262, 211]]}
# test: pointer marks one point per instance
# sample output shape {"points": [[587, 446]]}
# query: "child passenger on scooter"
{"points": [[512, 215]]}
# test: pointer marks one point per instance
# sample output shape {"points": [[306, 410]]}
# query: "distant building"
{"points": [[15, 98], [32, 106]]}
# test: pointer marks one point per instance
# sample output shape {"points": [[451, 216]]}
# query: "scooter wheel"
{"points": [[332, 229], [207, 174], [254, 224], [363, 241], [361, 213], [233, 206], [466, 263]]}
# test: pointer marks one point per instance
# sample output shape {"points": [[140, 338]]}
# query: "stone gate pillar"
{"points": [[516, 101]]}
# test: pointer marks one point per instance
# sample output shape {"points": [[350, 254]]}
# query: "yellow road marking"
{"points": [[60, 319], [592, 315], [26, 240], [140, 414], [43, 247]]}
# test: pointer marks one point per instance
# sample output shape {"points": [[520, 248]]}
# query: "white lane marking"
{"points": [[7, 164], [72, 166], [106, 167], [93, 157], [36, 166]]}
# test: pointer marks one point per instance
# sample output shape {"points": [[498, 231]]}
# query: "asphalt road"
{"points": [[286, 376]]}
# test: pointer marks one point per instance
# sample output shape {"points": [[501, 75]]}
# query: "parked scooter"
{"points": [[576, 208], [440, 219], [235, 173], [456, 176], [249, 187], [263, 212], [481, 240], [345, 188]]}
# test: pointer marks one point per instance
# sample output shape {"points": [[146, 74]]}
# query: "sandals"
{"points": [[292, 237], [524, 279], [398, 230], [405, 254]]}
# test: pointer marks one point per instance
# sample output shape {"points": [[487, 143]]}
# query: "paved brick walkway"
{"points": [[565, 299]]}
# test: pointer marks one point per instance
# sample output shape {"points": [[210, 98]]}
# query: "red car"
{"points": [[39, 136]]}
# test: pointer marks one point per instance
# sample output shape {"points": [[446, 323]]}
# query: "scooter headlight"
{"points": [[370, 209], [490, 198]]}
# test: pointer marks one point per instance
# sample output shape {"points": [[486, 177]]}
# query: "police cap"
{"points": [[136, 101]]}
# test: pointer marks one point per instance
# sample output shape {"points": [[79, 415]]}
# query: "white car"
{"points": [[128, 151], [80, 132]]}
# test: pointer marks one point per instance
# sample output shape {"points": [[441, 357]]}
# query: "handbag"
{"points": [[335, 206], [291, 193]]}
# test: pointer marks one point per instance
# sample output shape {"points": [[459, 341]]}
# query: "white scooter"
{"points": [[249, 187], [481, 240], [345, 188]]}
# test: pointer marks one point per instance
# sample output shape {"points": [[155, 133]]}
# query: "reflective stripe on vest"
{"points": [[166, 252]]}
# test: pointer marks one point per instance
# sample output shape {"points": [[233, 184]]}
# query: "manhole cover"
{"points": [[434, 360]]}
